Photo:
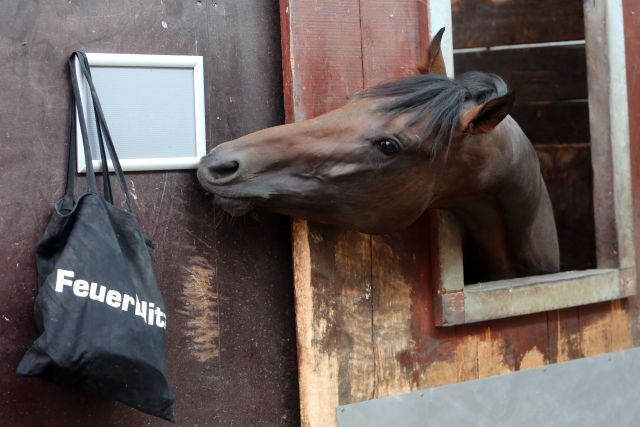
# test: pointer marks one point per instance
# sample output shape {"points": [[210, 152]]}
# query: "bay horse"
{"points": [[395, 150]]}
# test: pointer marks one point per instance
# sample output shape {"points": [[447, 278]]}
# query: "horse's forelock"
{"points": [[436, 101]]}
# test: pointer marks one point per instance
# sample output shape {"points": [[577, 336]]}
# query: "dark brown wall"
{"points": [[227, 283]]}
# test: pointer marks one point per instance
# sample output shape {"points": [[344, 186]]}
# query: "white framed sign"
{"points": [[154, 107]]}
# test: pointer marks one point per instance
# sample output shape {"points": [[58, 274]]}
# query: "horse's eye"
{"points": [[388, 147]]}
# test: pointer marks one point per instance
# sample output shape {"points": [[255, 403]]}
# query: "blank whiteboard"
{"points": [[154, 107]]}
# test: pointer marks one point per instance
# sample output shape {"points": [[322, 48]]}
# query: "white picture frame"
{"points": [[195, 147]]}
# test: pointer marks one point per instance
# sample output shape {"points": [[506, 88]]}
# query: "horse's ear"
{"points": [[484, 117], [432, 61]]}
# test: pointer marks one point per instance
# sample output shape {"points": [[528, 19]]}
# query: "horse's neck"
{"points": [[509, 225], [504, 239]]}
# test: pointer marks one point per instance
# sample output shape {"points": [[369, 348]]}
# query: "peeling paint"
{"points": [[319, 393], [200, 302], [491, 355], [621, 333], [532, 359], [438, 373]]}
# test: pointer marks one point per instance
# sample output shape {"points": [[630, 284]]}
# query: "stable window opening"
{"points": [[569, 76]]}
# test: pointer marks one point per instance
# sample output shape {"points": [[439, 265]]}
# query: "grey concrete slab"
{"points": [[596, 391]]}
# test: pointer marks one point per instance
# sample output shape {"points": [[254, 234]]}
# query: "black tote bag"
{"points": [[99, 313]]}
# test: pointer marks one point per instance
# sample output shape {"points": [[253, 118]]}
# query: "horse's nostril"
{"points": [[222, 170]]}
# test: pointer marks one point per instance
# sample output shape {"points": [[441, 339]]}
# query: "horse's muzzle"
{"points": [[214, 175], [213, 170]]}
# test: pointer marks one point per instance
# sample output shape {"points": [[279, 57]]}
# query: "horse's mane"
{"points": [[437, 101]]}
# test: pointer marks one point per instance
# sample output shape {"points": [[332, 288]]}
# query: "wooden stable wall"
{"points": [[364, 303], [227, 283]]}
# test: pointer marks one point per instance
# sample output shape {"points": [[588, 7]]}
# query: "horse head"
{"points": [[375, 164]]}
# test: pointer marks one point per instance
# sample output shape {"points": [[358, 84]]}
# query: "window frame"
{"points": [[615, 275]]}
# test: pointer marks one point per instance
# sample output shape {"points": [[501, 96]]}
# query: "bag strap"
{"points": [[68, 198], [77, 104], [104, 136], [69, 188], [84, 67], [106, 182]]}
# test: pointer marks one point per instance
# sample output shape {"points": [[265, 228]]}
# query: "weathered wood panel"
{"points": [[480, 23], [231, 344], [322, 65], [409, 352], [400, 262], [555, 73], [533, 294]]}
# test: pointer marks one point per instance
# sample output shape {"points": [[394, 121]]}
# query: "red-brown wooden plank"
{"points": [[564, 335], [322, 57], [391, 36]]}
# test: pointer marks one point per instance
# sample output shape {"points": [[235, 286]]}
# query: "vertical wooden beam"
{"points": [[439, 16], [322, 65], [447, 269], [608, 114], [390, 43], [404, 334], [609, 132], [619, 123]]}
